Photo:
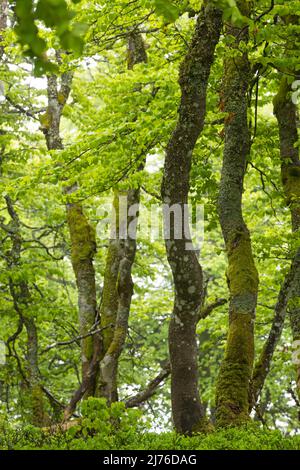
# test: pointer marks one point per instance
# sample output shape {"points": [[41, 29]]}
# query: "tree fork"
{"points": [[116, 296]]}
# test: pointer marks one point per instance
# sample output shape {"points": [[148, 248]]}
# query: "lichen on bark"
{"points": [[187, 409], [83, 248], [233, 384], [82, 236], [286, 113], [124, 289], [118, 286]]}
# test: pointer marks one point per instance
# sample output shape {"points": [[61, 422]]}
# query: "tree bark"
{"points": [[82, 235], [116, 296], [34, 398], [188, 412], [109, 303], [232, 394], [3, 20], [286, 113], [83, 249], [262, 366], [124, 289]]}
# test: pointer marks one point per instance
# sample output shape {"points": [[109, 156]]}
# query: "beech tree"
{"points": [[121, 122]]}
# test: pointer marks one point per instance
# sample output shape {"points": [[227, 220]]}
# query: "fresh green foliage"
{"points": [[113, 120], [95, 435], [55, 15]]}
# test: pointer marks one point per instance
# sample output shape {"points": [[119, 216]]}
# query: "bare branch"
{"points": [[151, 388]]}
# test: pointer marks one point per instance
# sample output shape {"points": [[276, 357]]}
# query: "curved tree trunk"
{"points": [[188, 412], [232, 395], [124, 288], [116, 295]]}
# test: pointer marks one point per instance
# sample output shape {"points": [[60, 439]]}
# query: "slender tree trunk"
{"points": [[232, 395], [188, 412], [37, 402], [286, 113], [263, 364], [3, 20], [116, 296], [83, 249], [21, 298], [82, 235], [109, 303], [34, 397], [124, 287]]}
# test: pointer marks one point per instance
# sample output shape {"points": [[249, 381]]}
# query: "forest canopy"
{"points": [[149, 224]]}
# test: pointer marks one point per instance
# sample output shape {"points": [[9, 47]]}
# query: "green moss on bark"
{"points": [[83, 241], [241, 273], [233, 383], [281, 97], [291, 183], [83, 248]]}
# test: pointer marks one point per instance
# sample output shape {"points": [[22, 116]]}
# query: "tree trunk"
{"points": [[33, 392], [83, 241], [109, 303], [3, 20], [116, 296], [232, 395], [34, 399], [36, 394], [286, 113], [83, 249], [124, 288], [188, 412]]}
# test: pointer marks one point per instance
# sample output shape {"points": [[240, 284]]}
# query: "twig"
{"points": [[75, 340]]}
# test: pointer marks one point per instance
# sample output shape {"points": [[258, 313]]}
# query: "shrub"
{"points": [[117, 428]]}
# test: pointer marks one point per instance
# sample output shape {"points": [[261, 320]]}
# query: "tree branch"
{"points": [[151, 388]]}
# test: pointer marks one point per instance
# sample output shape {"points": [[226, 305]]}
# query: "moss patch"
{"points": [[83, 240], [241, 273]]}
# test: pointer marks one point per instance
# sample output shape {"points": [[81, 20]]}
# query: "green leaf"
{"points": [[167, 9], [71, 41]]}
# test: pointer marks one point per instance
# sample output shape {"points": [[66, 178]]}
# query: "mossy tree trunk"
{"points": [[82, 235], [32, 395], [286, 113], [232, 394], [38, 413], [124, 288], [116, 296], [109, 304], [187, 410], [263, 364], [83, 249]]}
